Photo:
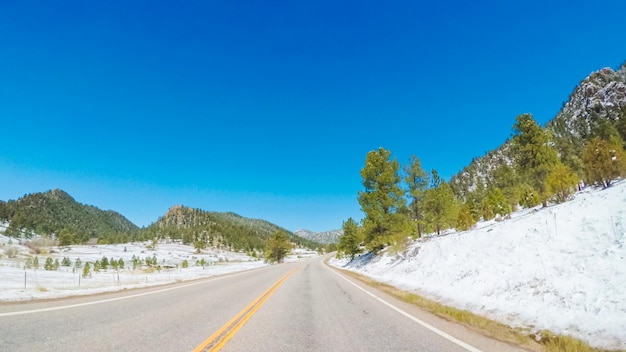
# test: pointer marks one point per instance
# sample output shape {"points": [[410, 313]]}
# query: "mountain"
{"points": [[54, 211], [326, 237], [222, 230], [596, 107]]}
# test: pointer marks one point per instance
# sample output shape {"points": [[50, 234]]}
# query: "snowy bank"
{"points": [[20, 281], [561, 268]]}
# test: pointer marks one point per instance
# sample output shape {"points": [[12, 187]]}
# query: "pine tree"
{"points": [[49, 264], [350, 241], [533, 153], [465, 220], [440, 205], [497, 202], [87, 270], [507, 180], [278, 247], [417, 181], [604, 161], [561, 182], [104, 263], [382, 201]]}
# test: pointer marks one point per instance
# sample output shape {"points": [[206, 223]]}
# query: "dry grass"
{"points": [[547, 343]]}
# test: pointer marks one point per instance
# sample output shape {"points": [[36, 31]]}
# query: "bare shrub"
{"points": [[39, 245], [11, 251]]}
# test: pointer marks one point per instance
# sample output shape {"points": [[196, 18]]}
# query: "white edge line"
{"points": [[219, 277], [422, 323]]}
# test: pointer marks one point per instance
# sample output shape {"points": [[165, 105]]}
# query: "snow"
{"points": [[19, 284], [561, 268]]}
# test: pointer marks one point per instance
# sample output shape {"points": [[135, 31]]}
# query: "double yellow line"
{"points": [[226, 332]]}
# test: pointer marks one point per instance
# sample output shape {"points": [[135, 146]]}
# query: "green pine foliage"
{"points": [[87, 270], [535, 157], [465, 220], [507, 180], [604, 161], [350, 241], [49, 264], [416, 180], [440, 205], [278, 247], [382, 201], [561, 183], [497, 202]]}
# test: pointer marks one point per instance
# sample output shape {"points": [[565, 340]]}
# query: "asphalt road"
{"points": [[314, 309]]}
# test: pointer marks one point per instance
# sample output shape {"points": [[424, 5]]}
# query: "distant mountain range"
{"points": [[55, 212], [326, 237], [227, 229]]}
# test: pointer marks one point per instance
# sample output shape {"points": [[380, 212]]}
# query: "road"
{"points": [[304, 306]]}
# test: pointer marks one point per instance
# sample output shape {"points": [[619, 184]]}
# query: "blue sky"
{"points": [[268, 109]]}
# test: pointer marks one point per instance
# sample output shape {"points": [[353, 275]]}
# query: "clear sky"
{"points": [[268, 108]]}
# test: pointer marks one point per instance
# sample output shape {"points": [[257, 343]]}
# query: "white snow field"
{"points": [[19, 284], [560, 268]]}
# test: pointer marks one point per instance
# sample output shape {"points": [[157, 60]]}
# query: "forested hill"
{"points": [[56, 212], [221, 230], [326, 237], [596, 108]]}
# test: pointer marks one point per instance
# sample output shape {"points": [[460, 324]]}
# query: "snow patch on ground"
{"points": [[17, 283], [561, 268]]}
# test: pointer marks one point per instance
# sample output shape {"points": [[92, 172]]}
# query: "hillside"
{"points": [[596, 107], [326, 237], [559, 268], [55, 211], [220, 230]]}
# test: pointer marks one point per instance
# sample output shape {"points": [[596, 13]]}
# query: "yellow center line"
{"points": [[226, 332]]}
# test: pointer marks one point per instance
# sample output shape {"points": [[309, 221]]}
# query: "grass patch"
{"points": [[548, 342]]}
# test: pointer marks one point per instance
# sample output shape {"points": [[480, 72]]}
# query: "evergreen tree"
{"points": [[533, 153], [350, 241], [528, 196], [66, 237], [496, 201], [465, 220], [604, 161], [382, 200], [104, 263], [507, 180], [87, 270], [561, 182], [49, 265], [278, 247], [417, 181], [440, 205]]}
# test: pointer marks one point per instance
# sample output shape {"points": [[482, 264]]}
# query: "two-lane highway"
{"points": [[303, 306]]}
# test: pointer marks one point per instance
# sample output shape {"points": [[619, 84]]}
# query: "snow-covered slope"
{"points": [[561, 268]]}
